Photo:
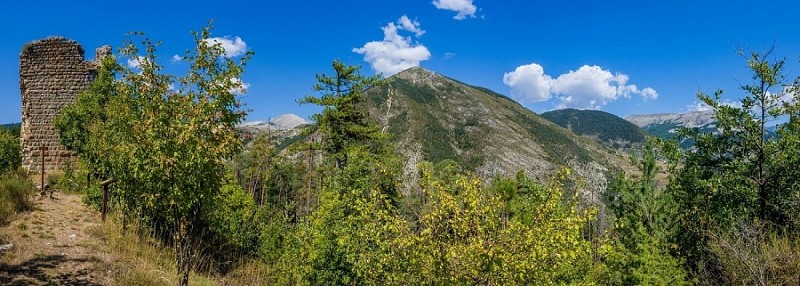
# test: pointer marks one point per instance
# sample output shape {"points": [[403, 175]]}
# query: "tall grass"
{"points": [[139, 258], [16, 195]]}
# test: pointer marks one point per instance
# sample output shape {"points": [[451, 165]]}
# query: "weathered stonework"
{"points": [[52, 72]]}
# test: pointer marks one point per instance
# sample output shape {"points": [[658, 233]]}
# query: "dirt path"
{"points": [[52, 245]]}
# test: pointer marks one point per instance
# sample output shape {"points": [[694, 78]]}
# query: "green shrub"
{"points": [[16, 193], [10, 151], [67, 180], [93, 196]]}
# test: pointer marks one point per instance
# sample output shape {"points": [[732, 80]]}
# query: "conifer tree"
{"points": [[344, 122]]}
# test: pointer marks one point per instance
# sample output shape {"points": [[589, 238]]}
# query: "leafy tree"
{"points": [[743, 164], [163, 138], [75, 120], [742, 174]]}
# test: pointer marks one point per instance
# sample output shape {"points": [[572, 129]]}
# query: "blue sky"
{"points": [[624, 57]]}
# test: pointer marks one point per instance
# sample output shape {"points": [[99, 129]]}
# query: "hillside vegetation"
{"points": [[607, 128], [431, 117]]}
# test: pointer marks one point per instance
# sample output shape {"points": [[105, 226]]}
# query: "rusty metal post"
{"points": [[105, 201], [41, 186]]}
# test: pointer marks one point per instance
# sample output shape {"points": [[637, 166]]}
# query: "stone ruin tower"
{"points": [[52, 72]]}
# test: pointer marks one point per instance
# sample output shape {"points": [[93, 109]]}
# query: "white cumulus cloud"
{"points": [[395, 53], [176, 58], [588, 87], [233, 46], [135, 62], [463, 7], [649, 93], [702, 106], [240, 87], [529, 83], [698, 106]]}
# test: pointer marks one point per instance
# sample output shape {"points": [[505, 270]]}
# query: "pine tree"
{"points": [[344, 122]]}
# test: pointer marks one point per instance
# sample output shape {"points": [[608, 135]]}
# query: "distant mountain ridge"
{"points": [[11, 125], [607, 128], [695, 119], [664, 125], [282, 122]]}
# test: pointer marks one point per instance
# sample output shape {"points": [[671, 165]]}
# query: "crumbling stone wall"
{"points": [[52, 72]]}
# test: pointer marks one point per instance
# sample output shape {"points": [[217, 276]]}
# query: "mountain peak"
{"points": [[435, 118], [282, 122], [288, 121], [415, 74]]}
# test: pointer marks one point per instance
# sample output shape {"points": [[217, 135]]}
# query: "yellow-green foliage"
{"points": [[464, 239], [462, 236]]}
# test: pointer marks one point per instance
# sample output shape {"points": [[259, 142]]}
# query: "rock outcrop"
{"points": [[689, 119]]}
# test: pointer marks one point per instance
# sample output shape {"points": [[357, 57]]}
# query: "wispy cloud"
{"points": [[411, 26], [463, 8]]}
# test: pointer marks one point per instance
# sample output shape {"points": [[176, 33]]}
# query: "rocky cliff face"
{"points": [[664, 125], [689, 119]]}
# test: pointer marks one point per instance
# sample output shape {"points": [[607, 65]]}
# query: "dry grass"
{"points": [[142, 260], [139, 260]]}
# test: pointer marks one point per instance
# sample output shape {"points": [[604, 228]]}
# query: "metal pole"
{"points": [[41, 151]]}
